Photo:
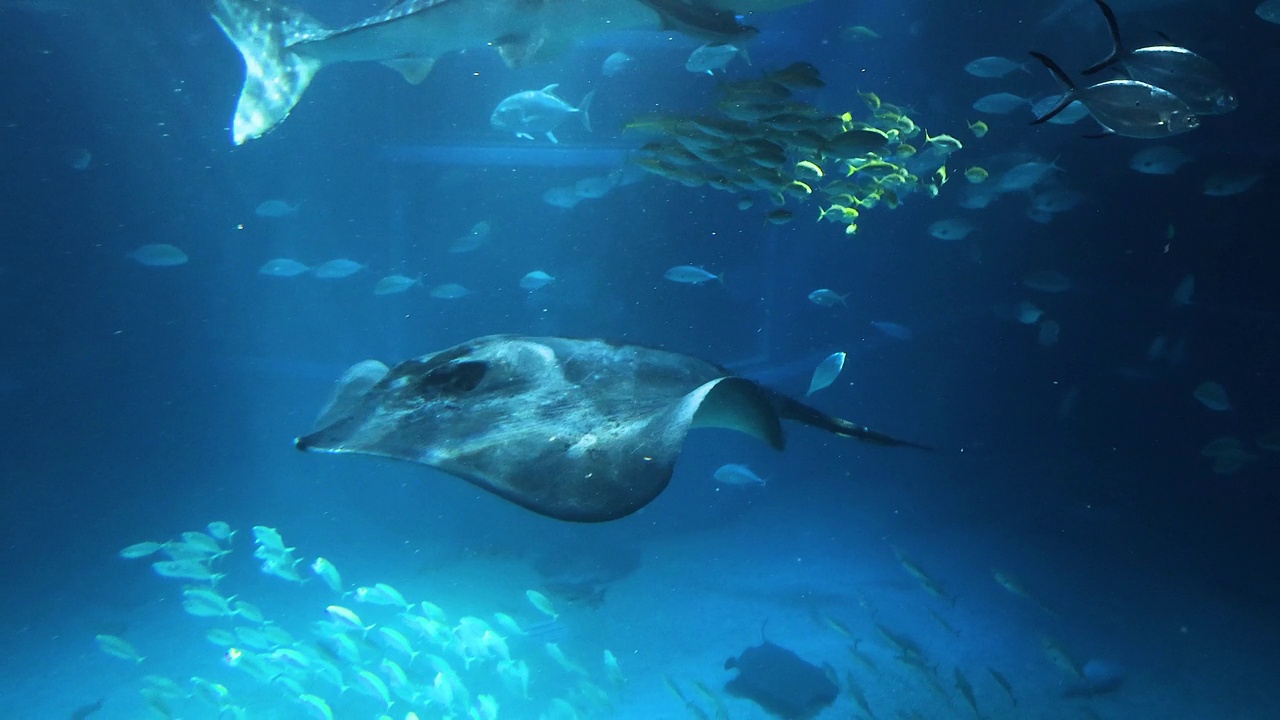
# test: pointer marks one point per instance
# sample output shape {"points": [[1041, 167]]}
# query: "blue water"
{"points": [[143, 402]]}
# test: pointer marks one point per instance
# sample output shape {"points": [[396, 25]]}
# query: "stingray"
{"points": [[781, 682], [580, 430]]}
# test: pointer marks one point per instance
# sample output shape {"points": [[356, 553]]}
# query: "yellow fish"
{"points": [[978, 128], [976, 175]]}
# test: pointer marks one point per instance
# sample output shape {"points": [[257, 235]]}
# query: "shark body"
{"points": [[283, 47]]}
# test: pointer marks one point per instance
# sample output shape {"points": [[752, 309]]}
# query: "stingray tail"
{"points": [[275, 76]]}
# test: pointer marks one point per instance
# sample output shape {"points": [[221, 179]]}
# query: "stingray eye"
{"points": [[457, 376]]}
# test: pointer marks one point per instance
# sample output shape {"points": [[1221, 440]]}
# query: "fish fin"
{"points": [[583, 109], [743, 53], [1067, 98], [275, 75], [1117, 45], [413, 70], [552, 137], [550, 89], [525, 136]]}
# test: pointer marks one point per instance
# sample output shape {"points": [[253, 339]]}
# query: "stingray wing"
{"points": [[580, 430]]}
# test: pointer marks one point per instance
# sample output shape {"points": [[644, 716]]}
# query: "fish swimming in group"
{"points": [[610, 423], [1193, 79], [1130, 108], [284, 48]]}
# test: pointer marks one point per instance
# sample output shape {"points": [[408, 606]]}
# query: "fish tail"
{"points": [[1067, 98], [584, 108], [1117, 45], [275, 75]]}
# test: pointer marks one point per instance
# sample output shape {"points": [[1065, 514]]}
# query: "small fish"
{"points": [[282, 267], [317, 706], [1269, 10], [944, 143], [538, 111], [1025, 176], [858, 33], [994, 66], [1056, 201], [347, 619], [563, 661], [542, 604], [1230, 183], [159, 255], [509, 624], [616, 64], [779, 216], [966, 690], [276, 209], [1001, 103], [140, 550], [248, 611], [326, 571], [826, 297], [79, 159], [612, 670], [185, 570], [893, 330], [1213, 396], [826, 372], [1124, 107], [711, 57], [810, 170], [220, 531], [270, 538], [535, 280], [118, 647], [692, 275], [979, 129], [1048, 281], [1027, 313], [395, 284], [338, 268], [1158, 160], [976, 175], [393, 638], [1003, 682], [950, 230], [1182, 294], [373, 686], [449, 291], [734, 474], [381, 594]]}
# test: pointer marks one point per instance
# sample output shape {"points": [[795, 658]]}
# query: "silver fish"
{"points": [[1193, 79], [538, 111], [1124, 107]]}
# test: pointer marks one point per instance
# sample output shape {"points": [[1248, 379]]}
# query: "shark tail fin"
{"points": [[275, 76], [584, 109]]}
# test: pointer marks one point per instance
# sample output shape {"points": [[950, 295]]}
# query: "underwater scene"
{"points": [[640, 359]]}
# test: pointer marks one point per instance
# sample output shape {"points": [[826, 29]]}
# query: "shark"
{"points": [[284, 47]]}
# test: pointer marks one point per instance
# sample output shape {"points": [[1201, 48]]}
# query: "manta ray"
{"points": [[284, 48], [578, 430]]}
